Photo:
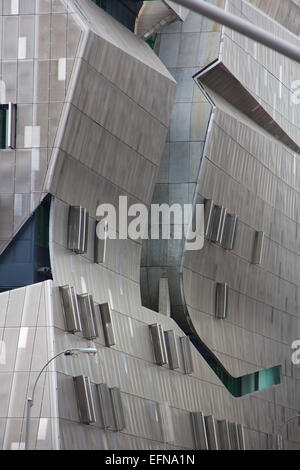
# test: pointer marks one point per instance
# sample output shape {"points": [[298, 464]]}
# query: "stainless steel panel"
{"points": [[187, 355], [159, 344], [258, 248], [118, 410], [208, 216], [274, 442], [71, 310], [107, 323], [199, 427], [234, 436], [223, 434], [211, 431], [166, 422], [11, 130], [229, 233], [106, 406], [78, 229], [279, 442], [99, 253], [241, 433], [172, 351], [85, 399], [218, 223], [87, 315], [221, 300]]}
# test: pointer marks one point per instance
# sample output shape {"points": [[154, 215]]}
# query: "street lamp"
{"points": [[242, 26], [67, 352]]}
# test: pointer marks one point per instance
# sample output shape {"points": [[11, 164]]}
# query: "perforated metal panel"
{"points": [[218, 223], [172, 351], [87, 315], [85, 399], [71, 310], [159, 344], [258, 248], [229, 232], [221, 300], [223, 434], [106, 407], [208, 216], [107, 323], [118, 410], [234, 437], [211, 430], [241, 434], [166, 421], [199, 427], [187, 355], [78, 229]]}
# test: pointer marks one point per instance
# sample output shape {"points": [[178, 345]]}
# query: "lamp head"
{"points": [[76, 351]]}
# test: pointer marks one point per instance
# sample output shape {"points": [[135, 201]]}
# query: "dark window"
{"points": [[4, 126]]}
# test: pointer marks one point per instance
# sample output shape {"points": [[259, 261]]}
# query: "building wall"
{"points": [[114, 121]]}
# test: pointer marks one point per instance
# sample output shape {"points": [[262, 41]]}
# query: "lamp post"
{"points": [[242, 26], [30, 400]]}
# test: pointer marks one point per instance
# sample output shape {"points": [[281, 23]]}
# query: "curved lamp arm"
{"points": [[67, 352]]}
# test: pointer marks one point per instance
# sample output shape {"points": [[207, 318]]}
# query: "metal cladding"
{"points": [[100, 115]]}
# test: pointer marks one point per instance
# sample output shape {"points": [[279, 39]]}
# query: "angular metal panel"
{"points": [[85, 399], [241, 433], [159, 344], [11, 130], [107, 323], [211, 430], [172, 351], [234, 436], [87, 315], [258, 248], [208, 217], [229, 232], [224, 435], [279, 442], [166, 422], [106, 406], [218, 223], [221, 300], [99, 249], [199, 427], [187, 355], [118, 410], [71, 310], [78, 229]]}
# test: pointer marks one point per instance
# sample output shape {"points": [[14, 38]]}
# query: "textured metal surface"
{"points": [[119, 101]]}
